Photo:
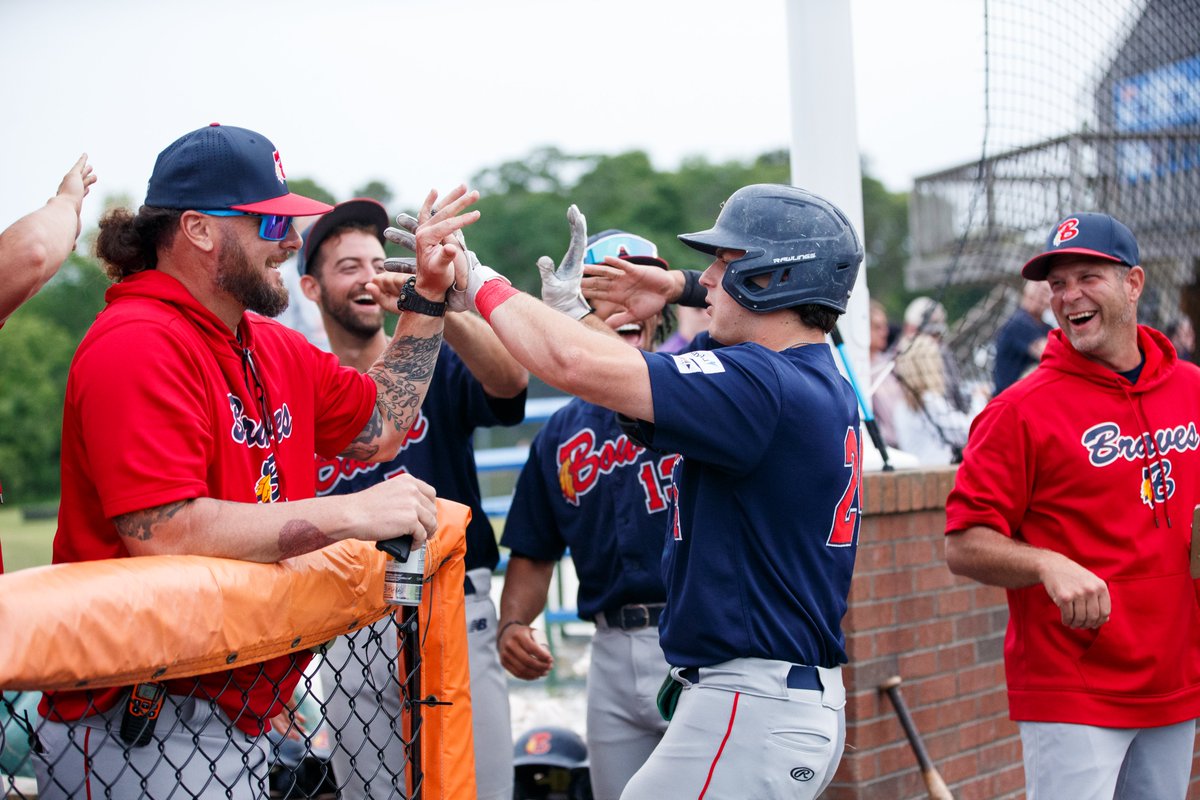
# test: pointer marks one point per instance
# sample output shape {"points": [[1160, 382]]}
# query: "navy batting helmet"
{"points": [[802, 244], [550, 764]]}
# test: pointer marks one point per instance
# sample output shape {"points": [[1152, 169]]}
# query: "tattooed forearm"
{"points": [[140, 524], [364, 446], [299, 536], [402, 374]]}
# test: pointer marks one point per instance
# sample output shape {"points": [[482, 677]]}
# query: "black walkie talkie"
{"points": [[141, 713]]}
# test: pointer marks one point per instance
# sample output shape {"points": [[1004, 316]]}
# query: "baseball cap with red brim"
{"points": [[1087, 234], [224, 167]]}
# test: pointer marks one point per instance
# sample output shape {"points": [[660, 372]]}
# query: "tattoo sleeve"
{"points": [[363, 447], [140, 524], [402, 374]]}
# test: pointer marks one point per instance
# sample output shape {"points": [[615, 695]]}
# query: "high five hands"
{"points": [[436, 238], [435, 247], [562, 286]]}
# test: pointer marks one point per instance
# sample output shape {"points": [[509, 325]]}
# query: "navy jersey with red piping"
{"points": [[763, 530], [587, 487], [439, 449], [163, 404], [1076, 459]]}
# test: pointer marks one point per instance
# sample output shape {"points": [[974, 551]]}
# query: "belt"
{"points": [[633, 616], [798, 677]]}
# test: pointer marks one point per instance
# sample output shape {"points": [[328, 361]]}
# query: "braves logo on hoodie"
{"points": [[1106, 444]]}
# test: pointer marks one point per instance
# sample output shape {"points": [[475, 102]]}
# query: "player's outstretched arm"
{"points": [[526, 586], [35, 246], [269, 532], [597, 367], [403, 370], [479, 348], [990, 557]]}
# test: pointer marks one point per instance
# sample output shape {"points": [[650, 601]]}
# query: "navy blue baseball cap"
{"points": [[359, 211], [1085, 234], [222, 167]]}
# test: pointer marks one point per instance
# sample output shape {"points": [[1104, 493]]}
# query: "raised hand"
{"points": [[561, 287]]}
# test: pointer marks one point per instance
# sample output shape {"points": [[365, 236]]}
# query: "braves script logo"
{"points": [[279, 167], [266, 488], [331, 472], [251, 431], [1068, 229], [581, 462], [1105, 445]]}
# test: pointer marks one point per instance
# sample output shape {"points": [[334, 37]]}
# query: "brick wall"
{"points": [[944, 636]]}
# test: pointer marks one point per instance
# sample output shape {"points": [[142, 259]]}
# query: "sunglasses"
{"points": [[273, 228], [619, 245]]}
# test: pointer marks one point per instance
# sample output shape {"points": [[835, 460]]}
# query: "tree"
{"points": [[376, 190]]}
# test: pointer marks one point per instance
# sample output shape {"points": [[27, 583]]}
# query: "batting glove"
{"points": [[562, 288]]}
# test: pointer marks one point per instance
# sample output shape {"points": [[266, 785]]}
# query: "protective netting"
{"points": [[351, 729], [1089, 107]]}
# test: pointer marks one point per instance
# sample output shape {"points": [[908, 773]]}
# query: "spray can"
{"points": [[404, 573]]}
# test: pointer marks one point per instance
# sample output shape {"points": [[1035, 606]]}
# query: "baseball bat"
{"points": [[935, 787], [868, 418]]}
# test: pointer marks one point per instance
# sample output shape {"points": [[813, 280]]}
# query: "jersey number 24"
{"points": [[845, 517]]}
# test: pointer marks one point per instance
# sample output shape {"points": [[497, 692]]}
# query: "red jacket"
{"points": [[1061, 460], [161, 407]]}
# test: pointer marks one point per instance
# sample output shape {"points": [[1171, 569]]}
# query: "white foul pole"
{"points": [[824, 155]]}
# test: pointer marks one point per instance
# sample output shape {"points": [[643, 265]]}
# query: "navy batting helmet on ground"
{"points": [[802, 244], [550, 764]]}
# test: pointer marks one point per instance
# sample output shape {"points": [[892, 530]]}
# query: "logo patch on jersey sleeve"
{"points": [[699, 361]]}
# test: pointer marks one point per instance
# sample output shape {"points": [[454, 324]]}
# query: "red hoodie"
{"points": [[162, 405], [1078, 460]]}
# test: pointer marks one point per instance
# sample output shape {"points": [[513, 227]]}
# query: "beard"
{"points": [[351, 316], [248, 284]]}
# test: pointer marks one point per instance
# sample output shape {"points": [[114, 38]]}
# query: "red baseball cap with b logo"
{"points": [[1086, 234]]}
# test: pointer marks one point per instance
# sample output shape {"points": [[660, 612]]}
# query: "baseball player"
{"points": [[587, 487], [1076, 494], [475, 383], [189, 428], [763, 518]]}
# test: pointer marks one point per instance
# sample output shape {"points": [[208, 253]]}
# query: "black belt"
{"points": [[798, 677], [634, 616]]}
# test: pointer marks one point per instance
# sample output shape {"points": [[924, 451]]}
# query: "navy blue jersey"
{"points": [[439, 449], [587, 487], [763, 529], [1012, 347]]}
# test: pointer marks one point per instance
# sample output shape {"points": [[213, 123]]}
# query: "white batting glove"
{"points": [[561, 288]]}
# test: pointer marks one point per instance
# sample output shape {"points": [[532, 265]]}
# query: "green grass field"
{"points": [[25, 543]]}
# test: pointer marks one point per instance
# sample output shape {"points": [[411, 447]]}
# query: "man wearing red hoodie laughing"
{"points": [[189, 427], [1076, 494]]}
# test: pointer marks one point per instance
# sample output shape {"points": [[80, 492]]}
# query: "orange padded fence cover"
{"points": [[113, 622], [447, 740], [118, 621]]}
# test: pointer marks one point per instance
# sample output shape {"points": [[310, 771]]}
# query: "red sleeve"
{"points": [[148, 433], [994, 482]]}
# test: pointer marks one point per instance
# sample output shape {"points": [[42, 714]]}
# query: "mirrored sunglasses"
{"points": [[619, 245], [273, 228]]}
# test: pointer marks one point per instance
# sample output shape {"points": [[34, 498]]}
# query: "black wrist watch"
{"points": [[410, 300]]}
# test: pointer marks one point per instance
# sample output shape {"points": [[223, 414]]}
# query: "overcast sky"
{"points": [[423, 94]]}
